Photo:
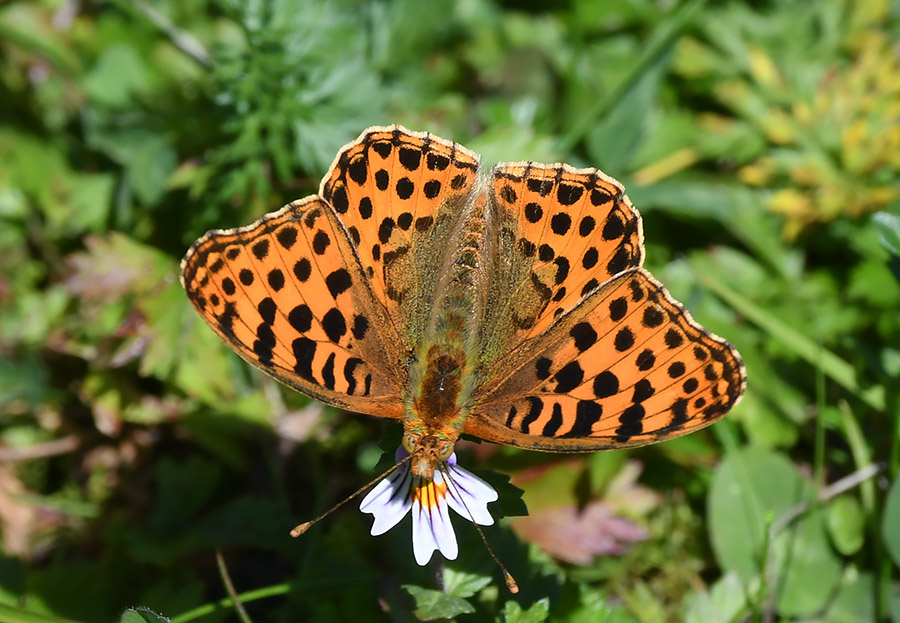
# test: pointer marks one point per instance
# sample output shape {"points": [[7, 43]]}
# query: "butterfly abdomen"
{"points": [[436, 400]]}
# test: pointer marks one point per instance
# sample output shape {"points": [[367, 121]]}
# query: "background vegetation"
{"points": [[761, 141]]}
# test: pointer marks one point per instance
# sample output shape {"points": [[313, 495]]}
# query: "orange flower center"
{"points": [[429, 494]]}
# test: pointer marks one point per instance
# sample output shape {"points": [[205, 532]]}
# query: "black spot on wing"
{"points": [[583, 335], [534, 412], [587, 413], [410, 158], [304, 350], [630, 423], [349, 368], [338, 282], [301, 318], [382, 148], [334, 325], [286, 236], [339, 200], [264, 343], [624, 339], [405, 188], [267, 309], [645, 360], [533, 212], [643, 389], [360, 326], [568, 378], [432, 188], [568, 194], [328, 372], [554, 422], [302, 269], [358, 170], [606, 384], [542, 368], [320, 242], [260, 249], [275, 279]]}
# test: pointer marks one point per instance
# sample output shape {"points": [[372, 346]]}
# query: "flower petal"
{"points": [[431, 524], [389, 501], [440, 521], [469, 495], [430, 501]]}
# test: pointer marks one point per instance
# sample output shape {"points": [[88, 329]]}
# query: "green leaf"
{"points": [[846, 524], [658, 45], [739, 209], [612, 142], [146, 155], [894, 604], [26, 26], [151, 163], [90, 199], [806, 570], [833, 366], [142, 615], [854, 602], [890, 527], [183, 488], [724, 602], [873, 282], [458, 583], [750, 487], [23, 378], [537, 613], [432, 604], [10, 614], [747, 488], [118, 76], [887, 225], [165, 313], [592, 607]]}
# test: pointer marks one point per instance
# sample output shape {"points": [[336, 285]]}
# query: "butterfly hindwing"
{"points": [[628, 366], [288, 295]]}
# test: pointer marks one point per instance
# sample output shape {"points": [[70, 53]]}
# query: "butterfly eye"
{"points": [[445, 450], [409, 443]]}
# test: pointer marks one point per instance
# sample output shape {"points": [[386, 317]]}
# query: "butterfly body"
{"points": [[440, 376], [507, 303]]}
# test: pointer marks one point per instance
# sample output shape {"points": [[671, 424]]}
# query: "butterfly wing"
{"points": [[560, 232], [328, 295], [402, 194], [289, 296], [591, 352]]}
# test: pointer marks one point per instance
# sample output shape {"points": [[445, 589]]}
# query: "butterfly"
{"points": [[506, 302]]}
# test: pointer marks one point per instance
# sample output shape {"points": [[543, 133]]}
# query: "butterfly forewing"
{"points": [[561, 232], [628, 366], [288, 295], [400, 194]]}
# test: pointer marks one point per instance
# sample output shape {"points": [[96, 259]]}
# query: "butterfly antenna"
{"points": [[507, 576], [306, 525]]}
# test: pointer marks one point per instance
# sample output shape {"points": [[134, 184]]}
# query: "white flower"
{"points": [[395, 495]]}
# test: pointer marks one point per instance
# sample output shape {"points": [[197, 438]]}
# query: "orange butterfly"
{"points": [[508, 303]]}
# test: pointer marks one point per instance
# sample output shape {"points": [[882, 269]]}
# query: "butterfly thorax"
{"points": [[442, 372]]}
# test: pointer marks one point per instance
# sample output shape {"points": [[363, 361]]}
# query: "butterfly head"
{"points": [[428, 450]]}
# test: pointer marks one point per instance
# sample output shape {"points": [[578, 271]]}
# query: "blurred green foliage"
{"points": [[756, 138]]}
